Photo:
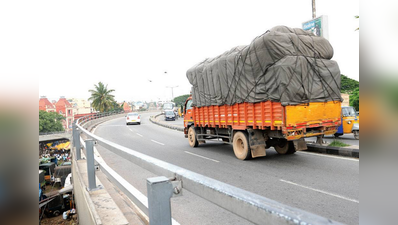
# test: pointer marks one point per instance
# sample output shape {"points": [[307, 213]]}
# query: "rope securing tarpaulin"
{"points": [[287, 65]]}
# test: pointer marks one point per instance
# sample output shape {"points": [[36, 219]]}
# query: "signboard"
{"points": [[318, 26]]}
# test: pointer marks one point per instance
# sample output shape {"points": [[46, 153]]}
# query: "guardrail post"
{"points": [[76, 141], [90, 164], [159, 191]]}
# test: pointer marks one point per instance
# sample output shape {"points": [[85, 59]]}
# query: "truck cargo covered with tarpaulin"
{"points": [[286, 65]]}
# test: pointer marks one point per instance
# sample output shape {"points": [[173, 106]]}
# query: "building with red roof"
{"points": [[46, 105], [126, 107], [64, 108]]}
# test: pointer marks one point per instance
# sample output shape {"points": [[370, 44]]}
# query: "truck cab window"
{"points": [[189, 104]]}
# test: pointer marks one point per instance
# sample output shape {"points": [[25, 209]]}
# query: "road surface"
{"points": [[325, 185]]}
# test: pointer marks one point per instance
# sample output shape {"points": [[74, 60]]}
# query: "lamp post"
{"points": [[313, 10], [172, 87], [172, 93]]}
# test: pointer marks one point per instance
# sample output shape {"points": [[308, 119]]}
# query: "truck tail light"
{"points": [[128, 118]]}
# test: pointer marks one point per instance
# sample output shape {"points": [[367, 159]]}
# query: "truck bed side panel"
{"points": [[294, 122], [261, 115]]}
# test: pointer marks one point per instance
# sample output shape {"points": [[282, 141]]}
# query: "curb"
{"points": [[155, 121], [350, 152]]}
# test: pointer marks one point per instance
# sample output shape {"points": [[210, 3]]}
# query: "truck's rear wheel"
{"points": [[240, 145], [192, 139], [356, 134], [284, 147]]}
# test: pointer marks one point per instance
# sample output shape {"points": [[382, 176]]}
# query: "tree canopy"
{"points": [[101, 97], [354, 99], [180, 100], [348, 85], [50, 121]]}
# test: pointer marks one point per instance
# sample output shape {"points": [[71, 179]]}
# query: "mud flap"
{"points": [[257, 143], [257, 151], [300, 144]]}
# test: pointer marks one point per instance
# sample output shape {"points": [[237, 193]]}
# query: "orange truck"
{"points": [[276, 91]]}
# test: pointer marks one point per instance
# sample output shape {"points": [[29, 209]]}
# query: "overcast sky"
{"points": [[71, 45]]}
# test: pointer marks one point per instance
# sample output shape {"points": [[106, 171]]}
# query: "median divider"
{"points": [[154, 119], [342, 151]]}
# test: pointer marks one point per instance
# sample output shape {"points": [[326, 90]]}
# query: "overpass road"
{"points": [[325, 185]]}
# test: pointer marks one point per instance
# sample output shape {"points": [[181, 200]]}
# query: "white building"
{"points": [[81, 106]]}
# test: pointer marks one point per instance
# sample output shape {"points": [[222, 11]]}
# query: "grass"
{"points": [[338, 144]]}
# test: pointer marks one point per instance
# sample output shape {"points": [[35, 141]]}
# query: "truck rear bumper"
{"points": [[295, 134]]}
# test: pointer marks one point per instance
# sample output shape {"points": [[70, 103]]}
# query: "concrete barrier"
{"points": [[87, 214], [95, 207]]}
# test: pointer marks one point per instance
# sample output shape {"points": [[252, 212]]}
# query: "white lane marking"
{"points": [[139, 134], [157, 142], [320, 191], [202, 156], [329, 156]]}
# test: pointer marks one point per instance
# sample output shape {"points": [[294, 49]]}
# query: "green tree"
{"points": [[180, 100], [101, 97], [354, 99], [117, 107], [50, 121], [348, 85]]}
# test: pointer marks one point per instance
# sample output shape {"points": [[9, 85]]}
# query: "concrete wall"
{"points": [[86, 210]]}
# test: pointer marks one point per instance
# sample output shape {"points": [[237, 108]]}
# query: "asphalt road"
{"points": [[321, 184]]}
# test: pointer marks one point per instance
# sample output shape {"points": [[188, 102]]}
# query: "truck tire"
{"points": [[192, 138], [241, 146], [337, 135], [284, 147], [356, 134]]}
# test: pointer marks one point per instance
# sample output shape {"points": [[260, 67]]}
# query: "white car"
{"points": [[133, 118]]}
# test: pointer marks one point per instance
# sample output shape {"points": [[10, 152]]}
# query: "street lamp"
{"points": [[172, 94], [313, 9]]}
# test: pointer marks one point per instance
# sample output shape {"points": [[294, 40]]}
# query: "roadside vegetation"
{"points": [[102, 99], [338, 144], [50, 122], [180, 100], [351, 87]]}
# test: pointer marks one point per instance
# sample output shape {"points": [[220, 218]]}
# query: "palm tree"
{"points": [[101, 98]]}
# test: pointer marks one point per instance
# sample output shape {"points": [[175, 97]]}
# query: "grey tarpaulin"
{"points": [[287, 65]]}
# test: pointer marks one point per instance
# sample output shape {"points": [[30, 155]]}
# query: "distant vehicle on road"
{"points": [[349, 122], [133, 118], [168, 106], [169, 115]]}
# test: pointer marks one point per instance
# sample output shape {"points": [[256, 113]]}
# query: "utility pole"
{"points": [[172, 94], [313, 10]]}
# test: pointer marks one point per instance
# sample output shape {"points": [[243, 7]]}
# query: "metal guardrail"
{"points": [[250, 206]]}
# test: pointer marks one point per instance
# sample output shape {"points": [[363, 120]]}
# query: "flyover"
{"points": [[279, 213]]}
